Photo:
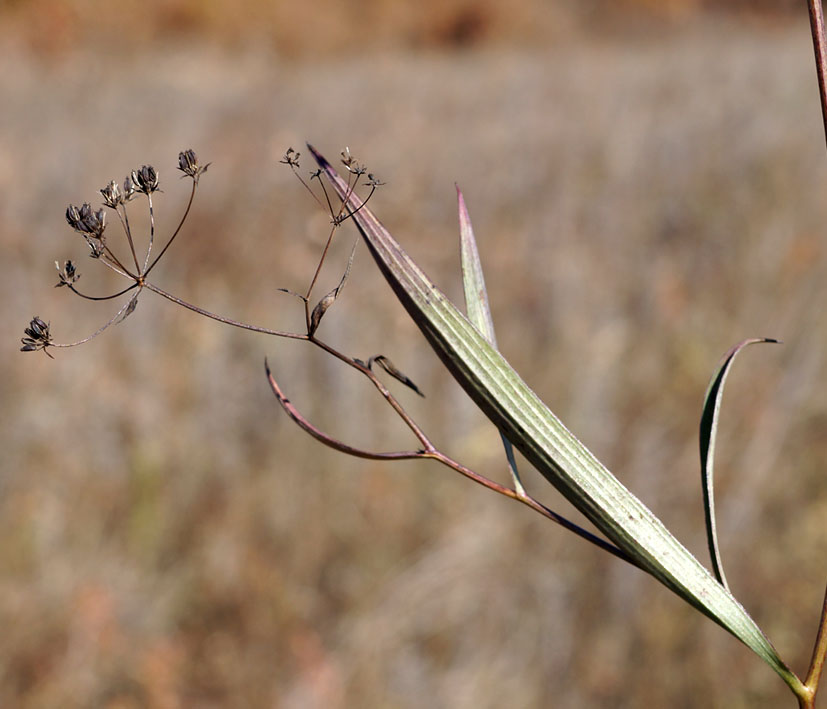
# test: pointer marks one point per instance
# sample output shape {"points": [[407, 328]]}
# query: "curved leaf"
{"points": [[708, 434]]}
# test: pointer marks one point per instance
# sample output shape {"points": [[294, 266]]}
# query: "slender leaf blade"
{"points": [[473, 282], [707, 437], [478, 308]]}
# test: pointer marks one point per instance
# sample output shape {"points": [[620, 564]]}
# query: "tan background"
{"points": [[647, 189]]}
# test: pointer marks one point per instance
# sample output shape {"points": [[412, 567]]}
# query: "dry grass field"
{"points": [[642, 202]]}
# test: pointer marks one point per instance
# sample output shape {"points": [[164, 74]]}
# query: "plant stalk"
{"points": [[820, 49]]}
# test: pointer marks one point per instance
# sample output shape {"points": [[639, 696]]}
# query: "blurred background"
{"points": [[646, 185]]}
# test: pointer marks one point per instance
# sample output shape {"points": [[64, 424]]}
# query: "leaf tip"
{"points": [[317, 156]]}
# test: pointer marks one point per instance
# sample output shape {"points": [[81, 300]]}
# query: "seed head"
{"points": [[67, 275], [37, 336], [87, 222], [189, 165], [112, 195], [128, 189], [291, 158], [145, 179], [351, 164], [96, 247]]}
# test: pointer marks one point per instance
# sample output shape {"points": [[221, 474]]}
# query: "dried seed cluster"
{"points": [[91, 224]]}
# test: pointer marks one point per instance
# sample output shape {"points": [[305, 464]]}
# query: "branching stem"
{"points": [[429, 451]]}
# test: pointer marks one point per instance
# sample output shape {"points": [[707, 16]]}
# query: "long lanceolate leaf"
{"points": [[540, 436], [477, 308], [708, 434]]}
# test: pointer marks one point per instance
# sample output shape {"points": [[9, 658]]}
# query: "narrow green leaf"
{"points": [[708, 434], [477, 308], [540, 436], [476, 295]]}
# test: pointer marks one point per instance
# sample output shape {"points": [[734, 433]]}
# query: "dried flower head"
{"points": [[291, 158], [373, 181], [188, 164], [351, 164], [97, 247], [68, 274], [128, 189], [37, 336], [86, 221], [145, 179], [112, 195]]}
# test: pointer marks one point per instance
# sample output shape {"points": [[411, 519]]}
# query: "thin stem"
{"points": [[307, 187], [326, 196], [329, 441], [128, 230], [352, 184], [125, 226], [337, 218], [102, 297], [108, 259], [219, 318], [533, 504], [382, 389], [819, 655], [151, 231], [177, 229], [364, 202], [97, 332], [820, 49], [806, 698], [321, 262], [115, 263]]}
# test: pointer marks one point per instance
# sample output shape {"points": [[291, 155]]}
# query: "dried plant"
{"points": [[466, 345]]}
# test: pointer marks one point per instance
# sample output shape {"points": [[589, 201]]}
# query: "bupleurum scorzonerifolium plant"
{"points": [[467, 347]]}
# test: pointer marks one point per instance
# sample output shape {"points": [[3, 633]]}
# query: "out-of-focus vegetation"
{"points": [[323, 27], [169, 539]]}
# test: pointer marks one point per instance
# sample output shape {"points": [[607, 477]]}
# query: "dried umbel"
{"points": [[67, 275], [145, 179], [188, 164], [113, 197], [36, 336], [91, 223], [86, 221]]}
